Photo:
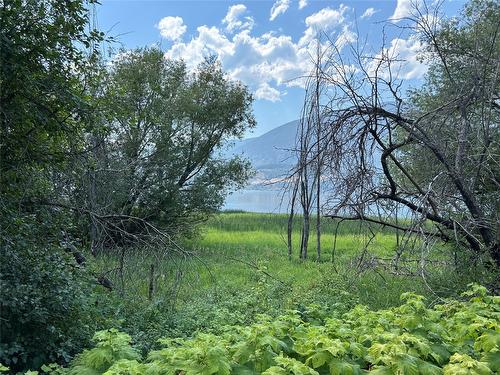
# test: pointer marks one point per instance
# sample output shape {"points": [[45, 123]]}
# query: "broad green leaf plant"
{"points": [[456, 337]]}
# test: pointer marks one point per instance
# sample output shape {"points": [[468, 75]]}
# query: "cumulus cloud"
{"points": [[327, 17], [265, 91], [302, 4], [345, 37], [279, 7], [403, 9], [324, 20], [171, 28], [262, 62], [234, 19], [267, 63], [368, 13], [403, 54], [209, 41]]}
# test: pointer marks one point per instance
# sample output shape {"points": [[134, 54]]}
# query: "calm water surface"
{"points": [[265, 201]]}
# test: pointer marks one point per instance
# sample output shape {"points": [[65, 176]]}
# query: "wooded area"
{"points": [[98, 155]]}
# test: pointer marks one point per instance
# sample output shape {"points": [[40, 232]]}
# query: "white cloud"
{"points": [[264, 63], [327, 17], [267, 92], [208, 42], [368, 13], [404, 9], [345, 37], [267, 63], [403, 57], [171, 28], [302, 4], [429, 21], [279, 7], [234, 20], [324, 20]]}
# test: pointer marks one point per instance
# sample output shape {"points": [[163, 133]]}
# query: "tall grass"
{"points": [[232, 248]]}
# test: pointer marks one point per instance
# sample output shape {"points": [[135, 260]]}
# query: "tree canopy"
{"points": [[166, 126]]}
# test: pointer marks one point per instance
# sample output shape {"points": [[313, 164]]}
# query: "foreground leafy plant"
{"points": [[457, 337], [112, 353]]}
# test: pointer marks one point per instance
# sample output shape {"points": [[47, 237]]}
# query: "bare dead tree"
{"points": [[317, 113], [430, 155], [306, 176], [293, 199]]}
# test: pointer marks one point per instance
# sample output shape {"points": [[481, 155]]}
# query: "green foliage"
{"points": [[53, 369], [229, 292], [462, 364], [58, 106], [112, 354], [47, 302], [456, 337], [205, 354], [462, 54], [43, 66], [47, 58], [166, 128]]}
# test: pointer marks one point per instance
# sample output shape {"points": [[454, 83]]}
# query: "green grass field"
{"points": [[233, 250], [232, 243], [240, 268]]}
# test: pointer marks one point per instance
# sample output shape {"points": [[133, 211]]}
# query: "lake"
{"points": [[264, 201]]}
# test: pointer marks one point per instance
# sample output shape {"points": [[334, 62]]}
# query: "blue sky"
{"points": [[265, 44]]}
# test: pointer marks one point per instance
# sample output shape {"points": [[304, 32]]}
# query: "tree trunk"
{"points": [[151, 282], [290, 221]]}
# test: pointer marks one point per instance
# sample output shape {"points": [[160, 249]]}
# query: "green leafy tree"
{"points": [[166, 129], [44, 61]]}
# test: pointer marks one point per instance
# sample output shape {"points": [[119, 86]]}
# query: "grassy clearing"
{"points": [[231, 241], [236, 249], [241, 269]]}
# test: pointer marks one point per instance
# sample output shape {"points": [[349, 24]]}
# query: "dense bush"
{"points": [[48, 306], [452, 338]]}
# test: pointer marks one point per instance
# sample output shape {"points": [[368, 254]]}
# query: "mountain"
{"points": [[270, 153]]}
